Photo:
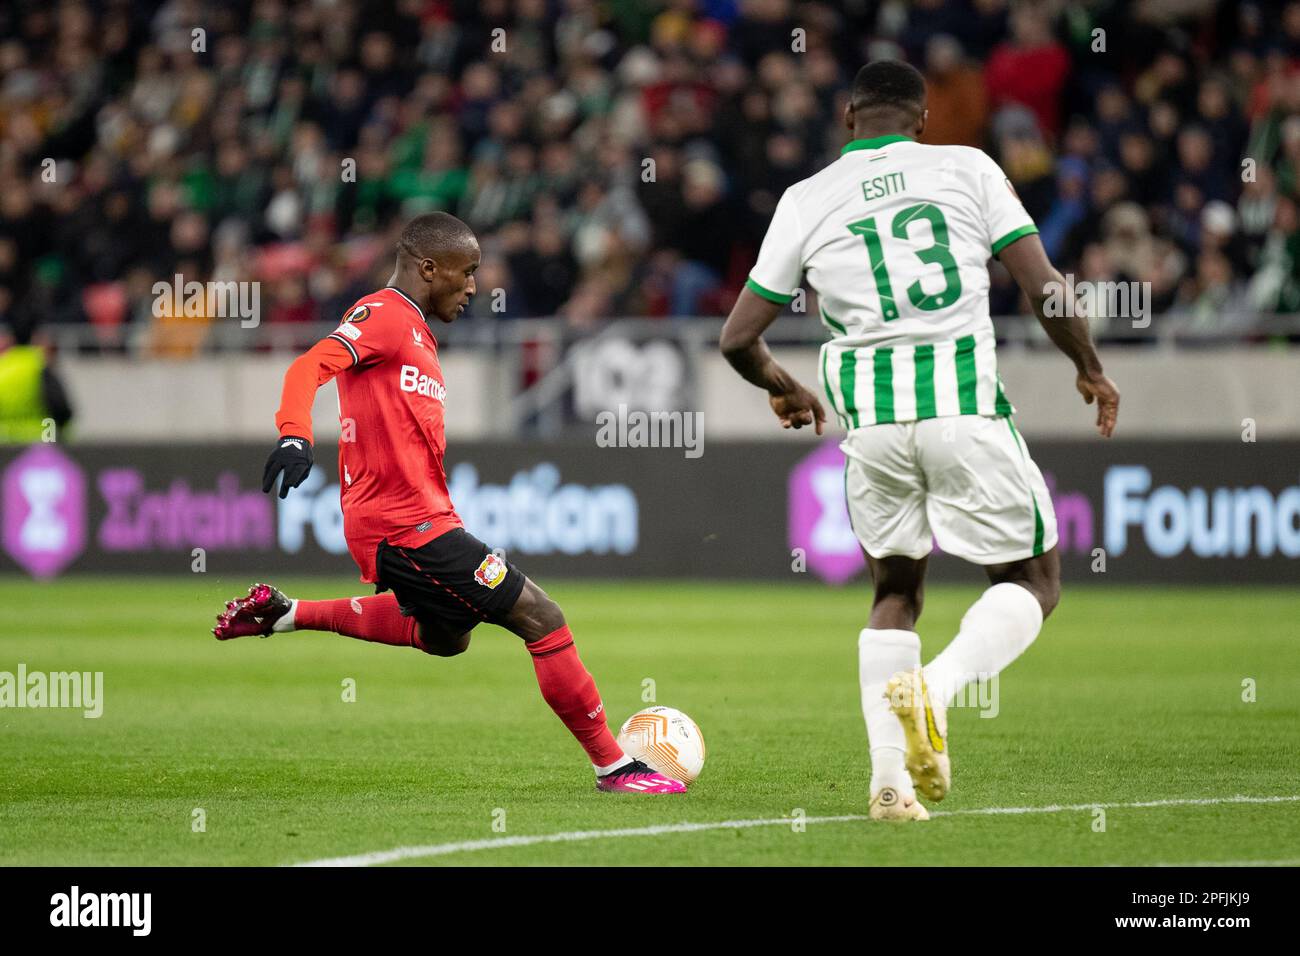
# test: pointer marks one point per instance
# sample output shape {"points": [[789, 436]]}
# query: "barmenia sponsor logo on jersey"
{"points": [[413, 381]]}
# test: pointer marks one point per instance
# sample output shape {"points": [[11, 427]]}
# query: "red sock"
{"points": [[571, 691], [374, 619]]}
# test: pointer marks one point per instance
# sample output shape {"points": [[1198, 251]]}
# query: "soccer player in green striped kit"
{"points": [[895, 238]]}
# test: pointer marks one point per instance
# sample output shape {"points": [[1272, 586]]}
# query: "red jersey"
{"points": [[391, 404]]}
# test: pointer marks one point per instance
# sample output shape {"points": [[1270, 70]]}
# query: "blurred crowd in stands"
{"points": [[616, 158]]}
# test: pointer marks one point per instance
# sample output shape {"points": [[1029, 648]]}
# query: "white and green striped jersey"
{"points": [[895, 238]]}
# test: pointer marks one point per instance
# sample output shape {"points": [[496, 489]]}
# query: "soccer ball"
{"points": [[667, 740]]}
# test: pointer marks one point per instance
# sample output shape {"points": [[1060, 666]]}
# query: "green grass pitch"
{"points": [[1128, 696]]}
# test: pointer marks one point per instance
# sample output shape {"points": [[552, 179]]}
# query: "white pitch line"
{"points": [[1141, 805], [576, 836], [469, 846], [1291, 862]]}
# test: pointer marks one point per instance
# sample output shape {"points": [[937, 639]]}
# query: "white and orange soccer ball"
{"points": [[667, 740]]}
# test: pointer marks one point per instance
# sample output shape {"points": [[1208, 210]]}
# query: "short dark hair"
{"points": [[433, 234], [889, 85]]}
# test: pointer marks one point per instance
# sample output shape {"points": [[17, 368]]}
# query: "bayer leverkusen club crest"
{"points": [[491, 572]]}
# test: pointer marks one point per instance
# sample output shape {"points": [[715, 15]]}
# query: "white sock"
{"points": [[621, 762], [286, 623], [997, 629], [881, 655]]}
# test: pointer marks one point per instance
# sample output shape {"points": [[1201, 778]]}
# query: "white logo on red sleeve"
{"points": [[412, 381], [349, 330]]}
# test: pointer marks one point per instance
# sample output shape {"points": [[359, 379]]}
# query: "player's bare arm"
{"points": [[1027, 261], [742, 344]]}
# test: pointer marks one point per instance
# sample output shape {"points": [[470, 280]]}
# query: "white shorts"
{"points": [[965, 480]]}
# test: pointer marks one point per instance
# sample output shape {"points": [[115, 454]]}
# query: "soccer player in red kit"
{"points": [[434, 580]]}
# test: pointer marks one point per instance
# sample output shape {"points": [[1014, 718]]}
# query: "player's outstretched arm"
{"points": [[292, 460], [743, 346], [1027, 261]]}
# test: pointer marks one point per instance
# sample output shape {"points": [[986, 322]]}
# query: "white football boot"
{"points": [[888, 804], [925, 728]]}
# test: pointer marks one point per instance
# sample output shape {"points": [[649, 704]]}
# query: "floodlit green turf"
{"points": [[1129, 695]]}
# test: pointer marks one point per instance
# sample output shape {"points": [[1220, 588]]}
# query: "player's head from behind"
{"points": [[437, 255], [888, 97]]}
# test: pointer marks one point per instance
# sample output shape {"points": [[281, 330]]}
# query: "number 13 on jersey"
{"points": [[935, 254]]}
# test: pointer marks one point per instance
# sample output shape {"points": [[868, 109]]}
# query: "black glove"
{"points": [[292, 456]]}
